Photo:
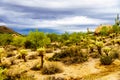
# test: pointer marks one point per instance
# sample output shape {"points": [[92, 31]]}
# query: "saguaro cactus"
{"points": [[117, 22], [41, 52]]}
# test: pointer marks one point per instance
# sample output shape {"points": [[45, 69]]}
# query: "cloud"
{"points": [[59, 15], [75, 20], [1, 23], [69, 24], [58, 4]]}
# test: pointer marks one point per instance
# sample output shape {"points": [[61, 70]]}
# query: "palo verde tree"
{"points": [[38, 39], [53, 37]]}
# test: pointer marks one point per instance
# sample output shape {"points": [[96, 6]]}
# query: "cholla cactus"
{"points": [[2, 53], [118, 41], [111, 35], [41, 52], [106, 50], [92, 41], [23, 53], [113, 41], [99, 47], [91, 46]]}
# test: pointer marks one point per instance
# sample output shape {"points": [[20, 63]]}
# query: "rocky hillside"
{"points": [[4, 29]]}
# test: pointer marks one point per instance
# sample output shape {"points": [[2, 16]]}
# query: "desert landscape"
{"points": [[68, 56]]}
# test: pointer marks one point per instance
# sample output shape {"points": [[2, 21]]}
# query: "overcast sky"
{"points": [[57, 15]]}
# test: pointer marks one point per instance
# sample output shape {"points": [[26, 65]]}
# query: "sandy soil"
{"points": [[90, 70]]}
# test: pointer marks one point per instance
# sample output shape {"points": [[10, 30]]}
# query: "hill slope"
{"points": [[4, 29]]}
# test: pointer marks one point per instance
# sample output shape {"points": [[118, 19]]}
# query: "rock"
{"points": [[99, 28]]}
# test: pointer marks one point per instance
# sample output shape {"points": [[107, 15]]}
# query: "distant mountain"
{"points": [[4, 29]]}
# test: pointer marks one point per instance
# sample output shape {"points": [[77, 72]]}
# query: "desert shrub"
{"points": [[53, 78], [115, 54], [36, 67], [17, 74], [28, 44], [18, 41], [95, 55], [2, 76], [70, 55], [51, 68], [49, 50], [20, 77], [106, 60], [5, 39], [26, 77]]}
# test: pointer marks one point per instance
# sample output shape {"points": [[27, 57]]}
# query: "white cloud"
{"points": [[3, 24], [76, 20], [65, 24]]}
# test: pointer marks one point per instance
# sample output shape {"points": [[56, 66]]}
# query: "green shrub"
{"points": [[38, 39], [18, 41], [2, 76], [52, 68], [106, 60], [5, 39]]}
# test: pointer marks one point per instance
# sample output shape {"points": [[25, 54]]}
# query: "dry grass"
{"points": [[52, 68]]}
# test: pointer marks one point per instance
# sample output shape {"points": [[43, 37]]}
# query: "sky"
{"points": [[57, 16]]}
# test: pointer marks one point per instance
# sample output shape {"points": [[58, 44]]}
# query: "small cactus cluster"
{"points": [[99, 47], [106, 50], [23, 53], [41, 52]]}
